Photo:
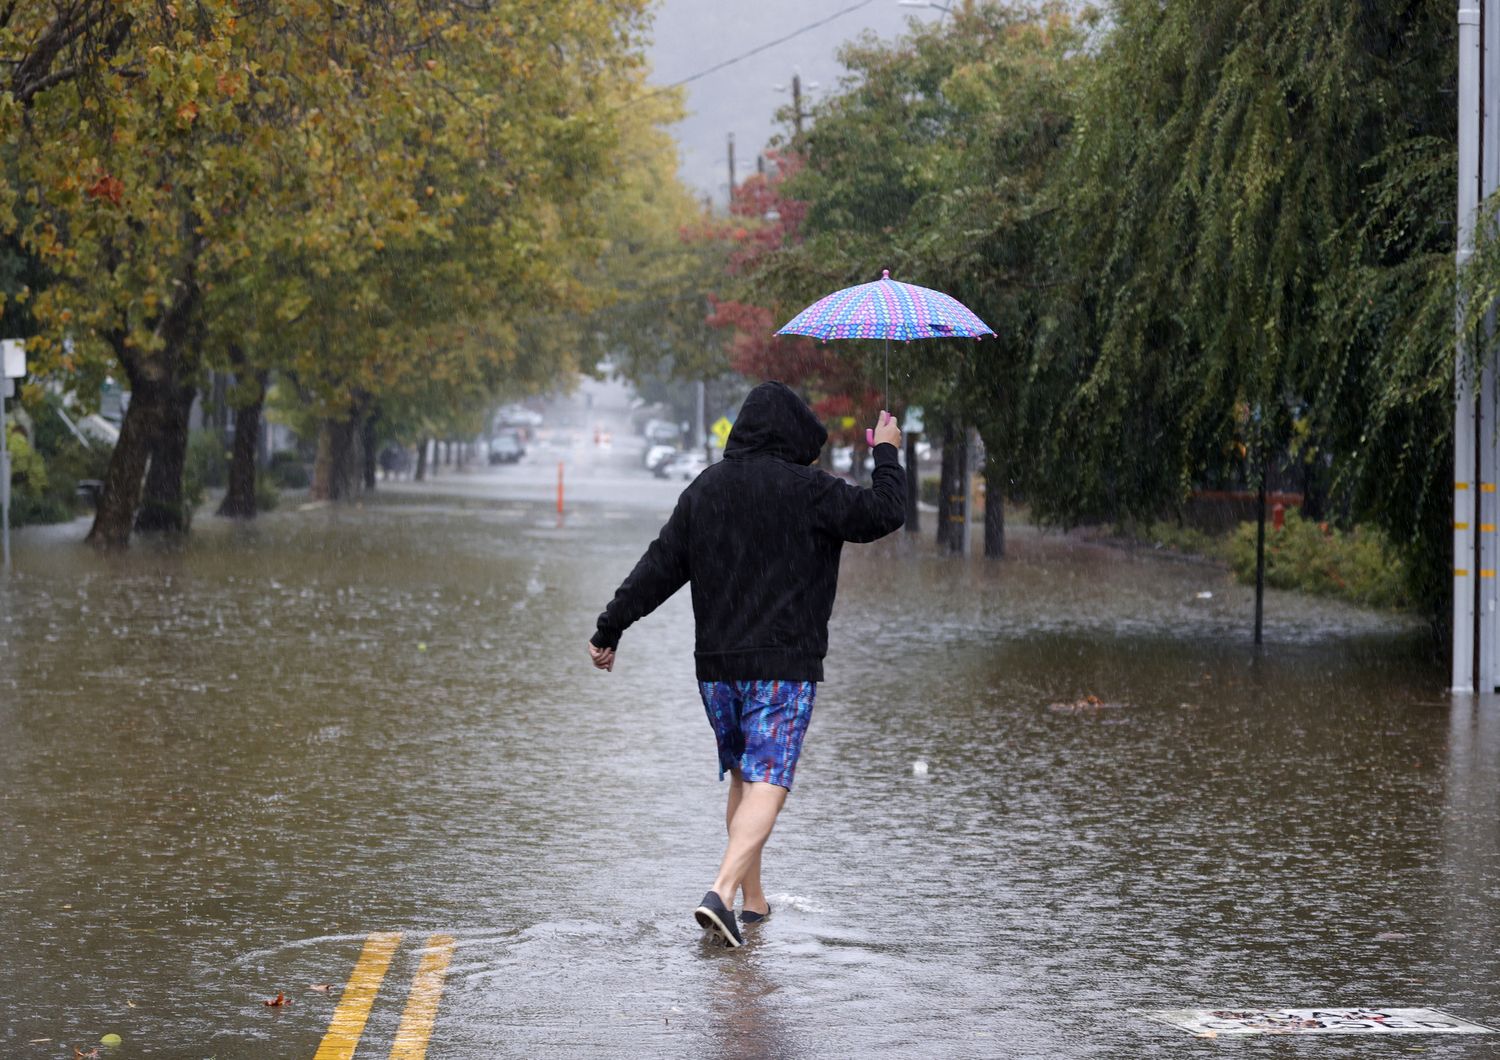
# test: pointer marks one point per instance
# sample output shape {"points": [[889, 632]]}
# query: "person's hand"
{"points": [[885, 431], [604, 658]]}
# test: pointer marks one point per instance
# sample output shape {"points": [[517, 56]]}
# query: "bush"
{"points": [[1359, 565], [206, 464], [38, 494], [1176, 537], [267, 496], [288, 471]]}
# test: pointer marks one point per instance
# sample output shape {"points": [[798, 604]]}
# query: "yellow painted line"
{"points": [[348, 1021], [1486, 487], [422, 1002], [1483, 573], [1459, 572], [1460, 526], [1460, 485], [1487, 528]]}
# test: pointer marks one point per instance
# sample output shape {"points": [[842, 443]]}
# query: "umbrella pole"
{"points": [[887, 374]]}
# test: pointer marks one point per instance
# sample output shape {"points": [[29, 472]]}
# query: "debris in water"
{"points": [[919, 768], [1088, 704], [279, 1000], [321, 988], [111, 1040], [1205, 595]]}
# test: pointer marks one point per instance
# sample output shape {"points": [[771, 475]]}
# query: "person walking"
{"points": [[758, 535]]}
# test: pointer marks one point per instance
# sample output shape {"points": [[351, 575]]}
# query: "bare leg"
{"points": [[750, 886], [749, 827]]}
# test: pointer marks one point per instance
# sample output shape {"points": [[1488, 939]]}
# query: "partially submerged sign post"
{"points": [[13, 363]]}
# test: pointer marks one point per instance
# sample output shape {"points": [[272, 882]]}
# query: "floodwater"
{"points": [[226, 765]]}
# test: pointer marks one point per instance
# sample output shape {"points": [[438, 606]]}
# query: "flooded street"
{"points": [[227, 765]]}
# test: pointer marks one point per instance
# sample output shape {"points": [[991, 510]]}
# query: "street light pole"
{"points": [[1465, 429]]}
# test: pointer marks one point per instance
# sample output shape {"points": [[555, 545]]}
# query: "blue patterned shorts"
{"points": [[759, 726]]}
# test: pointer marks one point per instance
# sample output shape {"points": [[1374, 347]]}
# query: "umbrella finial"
{"points": [[885, 274]]}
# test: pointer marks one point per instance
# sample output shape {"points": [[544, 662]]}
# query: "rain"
{"points": [[392, 480]]}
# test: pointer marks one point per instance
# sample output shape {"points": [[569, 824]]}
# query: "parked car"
{"points": [[685, 466], [655, 454], [518, 416], [660, 432], [506, 448]]}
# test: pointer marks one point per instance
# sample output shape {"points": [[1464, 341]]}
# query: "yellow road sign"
{"points": [[721, 429]]}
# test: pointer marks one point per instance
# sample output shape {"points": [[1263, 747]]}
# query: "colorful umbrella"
{"points": [[887, 310]]}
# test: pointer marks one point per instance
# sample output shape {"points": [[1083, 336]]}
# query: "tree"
{"points": [[385, 191]]}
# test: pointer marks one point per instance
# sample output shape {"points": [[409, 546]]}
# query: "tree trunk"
{"points": [[334, 471], [239, 499], [164, 509], [420, 475], [127, 464], [945, 481], [994, 504], [952, 507], [153, 384], [367, 445], [913, 486]]}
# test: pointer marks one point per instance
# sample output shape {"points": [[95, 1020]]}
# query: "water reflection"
{"points": [[227, 763]]}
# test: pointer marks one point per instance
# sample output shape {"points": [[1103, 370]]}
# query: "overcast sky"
{"points": [[693, 35]]}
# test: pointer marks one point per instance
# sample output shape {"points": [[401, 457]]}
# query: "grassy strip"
{"points": [[1358, 565]]}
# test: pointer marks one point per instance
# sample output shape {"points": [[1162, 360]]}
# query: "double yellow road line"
{"points": [[354, 1005]]}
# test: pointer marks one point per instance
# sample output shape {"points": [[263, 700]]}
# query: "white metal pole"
{"points": [[5, 386], [1486, 500], [1465, 556]]}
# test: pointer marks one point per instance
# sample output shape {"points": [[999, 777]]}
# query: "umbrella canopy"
{"points": [[887, 309]]}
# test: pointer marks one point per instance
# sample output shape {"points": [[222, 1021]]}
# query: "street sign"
{"points": [[14, 351], [913, 424], [721, 428]]}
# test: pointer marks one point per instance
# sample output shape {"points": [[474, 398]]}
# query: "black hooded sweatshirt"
{"points": [[759, 534]]}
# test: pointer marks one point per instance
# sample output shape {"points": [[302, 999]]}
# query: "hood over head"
{"points": [[774, 421]]}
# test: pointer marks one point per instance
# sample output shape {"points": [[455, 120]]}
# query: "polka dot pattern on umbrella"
{"points": [[887, 309]]}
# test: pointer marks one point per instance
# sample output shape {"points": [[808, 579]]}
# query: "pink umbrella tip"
{"points": [[885, 274]]}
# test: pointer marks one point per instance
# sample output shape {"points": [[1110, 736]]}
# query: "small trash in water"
{"points": [[919, 768], [1088, 704], [1205, 1023], [278, 1001], [1205, 595], [111, 1040]]}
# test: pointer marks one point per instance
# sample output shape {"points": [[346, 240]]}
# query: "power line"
{"points": [[745, 55]]}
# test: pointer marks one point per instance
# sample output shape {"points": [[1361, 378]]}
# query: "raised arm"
{"points": [[860, 515]]}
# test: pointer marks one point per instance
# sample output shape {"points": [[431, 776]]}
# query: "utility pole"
{"points": [[731, 171], [797, 112]]}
